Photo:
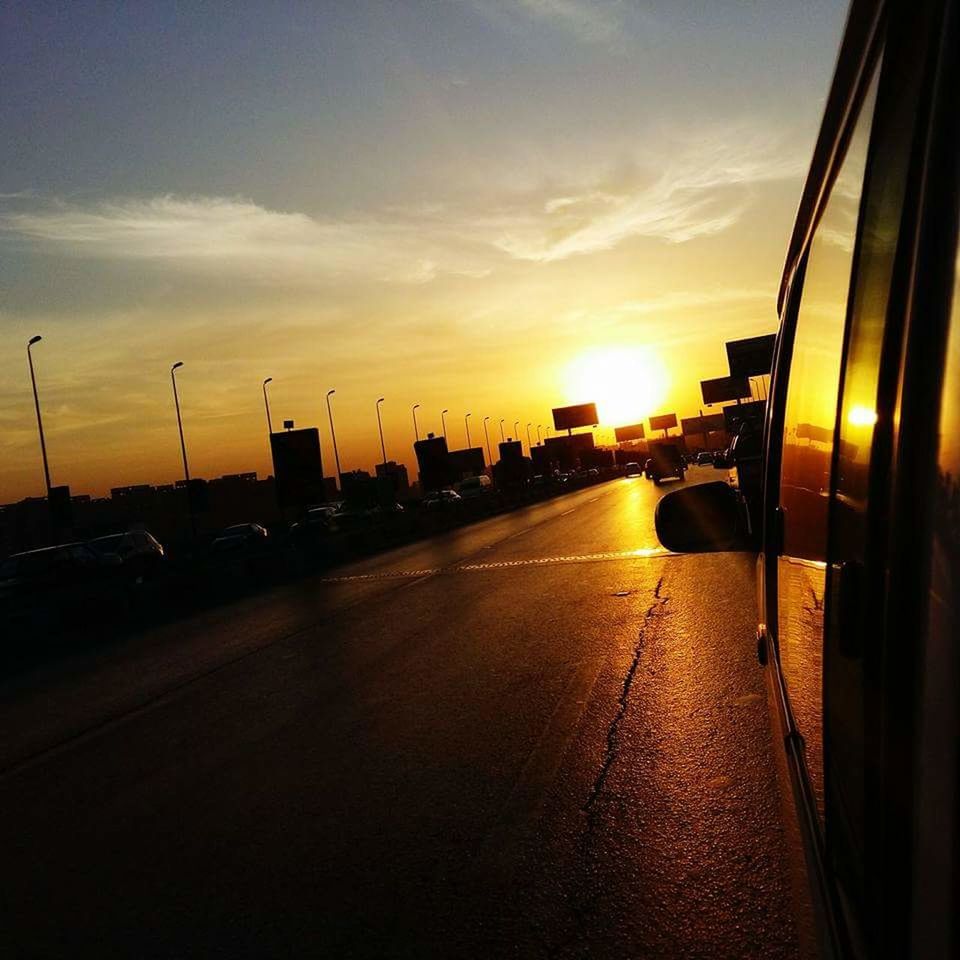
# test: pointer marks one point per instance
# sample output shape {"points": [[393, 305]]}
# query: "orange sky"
{"points": [[489, 224]]}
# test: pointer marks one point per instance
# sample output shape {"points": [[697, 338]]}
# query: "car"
{"points": [[69, 582], [665, 462], [856, 516], [139, 553], [440, 500], [632, 469], [472, 487], [704, 459], [239, 536]]}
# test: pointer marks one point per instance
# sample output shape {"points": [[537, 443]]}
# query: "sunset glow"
{"points": [[627, 383]]}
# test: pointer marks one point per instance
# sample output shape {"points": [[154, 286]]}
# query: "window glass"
{"points": [[809, 421]]}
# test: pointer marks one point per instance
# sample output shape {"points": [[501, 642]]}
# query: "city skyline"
{"points": [[446, 210]]}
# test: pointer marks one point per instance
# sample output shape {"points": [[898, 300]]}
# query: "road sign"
{"points": [[752, 357], [578, 415], [633, 432], [724, 388]]}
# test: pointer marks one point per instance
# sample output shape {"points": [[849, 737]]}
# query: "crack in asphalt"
{"points": [[583, 899], [613, 739]]}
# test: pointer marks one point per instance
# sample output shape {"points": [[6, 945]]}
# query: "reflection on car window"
{"points": [[808, 446]]}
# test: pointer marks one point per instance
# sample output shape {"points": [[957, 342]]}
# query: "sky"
{"points": [[490, 206]]}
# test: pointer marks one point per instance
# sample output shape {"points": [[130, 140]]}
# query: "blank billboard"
{"points": [[297, 469], [632, 432], [752, 357], [723, 389], [579, 415], [663, 422]]}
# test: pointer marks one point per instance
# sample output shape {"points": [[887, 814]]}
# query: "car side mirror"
{"points": [[704, 518]]}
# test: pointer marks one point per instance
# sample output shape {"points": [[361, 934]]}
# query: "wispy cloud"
{"points": [[705, 190]]}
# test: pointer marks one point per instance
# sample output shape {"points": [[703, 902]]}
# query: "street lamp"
{"points": [[416, 429], [486, 434], [333, 435], [443, 414], [466, 424], [266, 404], [36, 403], [502, 439], [529, 444], [383, 448], [183, 446], [539, 428], [516, 429]]}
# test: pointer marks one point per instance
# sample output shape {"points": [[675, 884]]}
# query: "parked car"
{"points": [[632, 470], [704, 459], [139, 553], [472, 487], [440, 500], [858, 518], [69, 582], [239, 536]]}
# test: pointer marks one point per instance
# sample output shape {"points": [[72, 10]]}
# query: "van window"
{"points": [[809, 423]]}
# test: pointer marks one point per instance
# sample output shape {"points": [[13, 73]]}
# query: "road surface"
{"points": [[539, 736]]}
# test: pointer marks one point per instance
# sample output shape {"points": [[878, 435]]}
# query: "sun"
{"points": [[627, 384]]}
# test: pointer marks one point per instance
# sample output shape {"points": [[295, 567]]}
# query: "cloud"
{"points": [[704, 190], [236, 236], [589, 22]]}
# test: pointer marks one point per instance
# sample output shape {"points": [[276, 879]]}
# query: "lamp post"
{"points": [[333, 433], [466, 424], [266, 404], [383, 448], [502, 438], [486, 434], [416, 429], [443, 422], [529, 444], [539, 428], [183, 446], [36, 403], [516, 430]]}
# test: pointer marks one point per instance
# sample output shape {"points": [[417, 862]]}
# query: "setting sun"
{"points": [[628, 384]]}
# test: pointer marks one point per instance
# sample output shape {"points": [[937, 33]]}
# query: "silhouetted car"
{"points": [[648, 468], [858, 510], [140, 555], [632, 470], [239, 536], [67, 583], [704, 459], [665, 462], [472, 487], [440, 500]]}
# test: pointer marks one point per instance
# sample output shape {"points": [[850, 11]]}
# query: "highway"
{"points": [[538, 736]]}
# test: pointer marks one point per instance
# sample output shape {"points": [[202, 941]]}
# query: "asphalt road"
{"points": [[539, 736]]}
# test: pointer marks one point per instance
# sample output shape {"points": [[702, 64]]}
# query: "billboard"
{"points": [[663, 422], [710, 423], [722, 389], [632, 432], [297, 469], [579, 415], [752, 357]]}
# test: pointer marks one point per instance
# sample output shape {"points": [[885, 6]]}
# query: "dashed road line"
{"points": [[644, 553]]}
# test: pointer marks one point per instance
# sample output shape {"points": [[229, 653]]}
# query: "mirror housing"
{"points": [[702, 519]]}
